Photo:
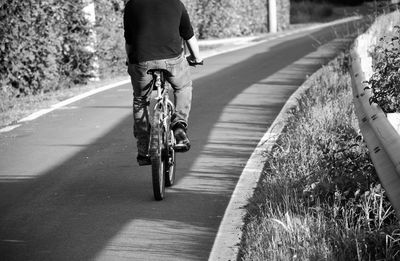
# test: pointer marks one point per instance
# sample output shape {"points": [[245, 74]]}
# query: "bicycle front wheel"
{"points": [[157, 157]]}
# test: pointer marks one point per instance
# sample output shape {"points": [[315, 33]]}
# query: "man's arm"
{"points": [[193, 47], [128, 33]]}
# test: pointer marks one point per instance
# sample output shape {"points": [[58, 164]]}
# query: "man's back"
{"points": [[155, 28]]}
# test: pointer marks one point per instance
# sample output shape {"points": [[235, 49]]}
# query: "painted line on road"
{"points": [[210, 54], [9, 128], [72, 100]]}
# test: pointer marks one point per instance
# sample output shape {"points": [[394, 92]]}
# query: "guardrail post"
{"points": [[273, 17]]}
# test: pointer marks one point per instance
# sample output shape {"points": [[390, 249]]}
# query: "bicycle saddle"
{"points": [[152, 71]]}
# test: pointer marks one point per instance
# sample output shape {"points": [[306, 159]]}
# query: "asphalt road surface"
{"points": [[70, 188]]}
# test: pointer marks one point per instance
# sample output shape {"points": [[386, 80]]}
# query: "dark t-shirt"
{"points": [[155, 28]]}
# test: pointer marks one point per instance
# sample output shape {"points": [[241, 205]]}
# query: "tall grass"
{"points": [[319, 197]]}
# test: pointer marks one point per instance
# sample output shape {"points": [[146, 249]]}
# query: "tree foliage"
{"points": [[42, 45]]}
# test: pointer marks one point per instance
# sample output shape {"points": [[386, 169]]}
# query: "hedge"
{"points": [[43, 44], [226, 18], [337, 2], [110, 46]]}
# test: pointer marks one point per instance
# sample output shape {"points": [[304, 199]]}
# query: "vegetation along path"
{"points": [[319, 197]]}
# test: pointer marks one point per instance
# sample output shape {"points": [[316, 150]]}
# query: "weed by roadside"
{"points": [[319, 197]]}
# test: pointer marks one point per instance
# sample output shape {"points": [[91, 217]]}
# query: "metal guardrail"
{"points": [[383, 141]]}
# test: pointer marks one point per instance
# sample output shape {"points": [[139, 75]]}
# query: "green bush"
{"points": [[308, 11], [336, 2], [75, 63], [110, 46], [42, 45], [348, 2], [226, 18], [385, 82]]}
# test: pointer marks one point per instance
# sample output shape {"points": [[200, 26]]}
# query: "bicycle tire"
{"points": [[156, 155], [170, 159]]}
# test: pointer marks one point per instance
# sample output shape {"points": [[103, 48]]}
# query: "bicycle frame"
{"points": [[162, 97]]}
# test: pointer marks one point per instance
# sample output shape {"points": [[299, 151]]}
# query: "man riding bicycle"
{"points": [[154, 30]]}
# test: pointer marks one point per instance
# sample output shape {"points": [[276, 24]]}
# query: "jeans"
{"points": [[180, 79]]}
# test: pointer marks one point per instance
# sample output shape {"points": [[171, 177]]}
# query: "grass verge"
{"points": [[319, 197]]}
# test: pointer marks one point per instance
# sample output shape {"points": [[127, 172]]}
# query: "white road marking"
{"points": [[9, 128]]}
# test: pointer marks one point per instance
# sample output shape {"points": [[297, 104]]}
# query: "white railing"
{"points": [[383, 140]]}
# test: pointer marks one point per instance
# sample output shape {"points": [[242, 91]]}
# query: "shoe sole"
{"points": [[182, 148], [144, 163]]}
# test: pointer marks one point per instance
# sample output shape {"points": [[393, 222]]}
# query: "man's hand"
{"points": [[194, 58], [193, 61]]}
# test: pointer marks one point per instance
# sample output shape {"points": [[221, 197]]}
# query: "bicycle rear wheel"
{"points": [[157, 156], [169, 159]]}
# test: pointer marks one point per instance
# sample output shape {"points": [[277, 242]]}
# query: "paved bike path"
{"points": [[71, 190]]}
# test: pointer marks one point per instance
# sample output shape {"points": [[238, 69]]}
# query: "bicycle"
{"points": [[162, 140]]}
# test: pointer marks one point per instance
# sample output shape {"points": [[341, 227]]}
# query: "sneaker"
{"points": [[182, 140], [143, 160]]}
